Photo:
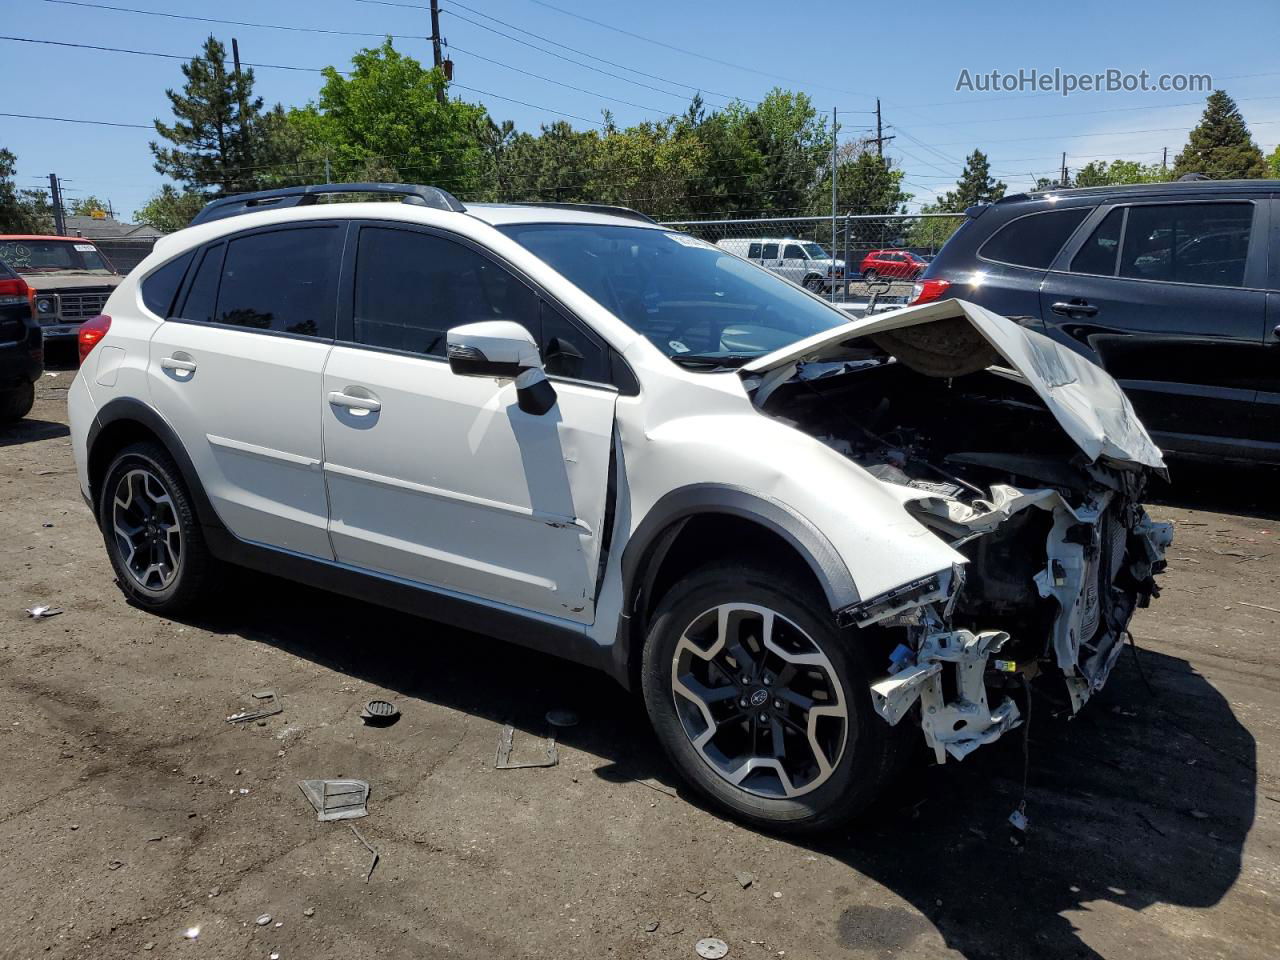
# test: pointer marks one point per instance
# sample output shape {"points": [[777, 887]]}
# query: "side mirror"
{"points": [[502, 350]]}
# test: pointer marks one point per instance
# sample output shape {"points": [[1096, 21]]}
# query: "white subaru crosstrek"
{"points": [[802, 538]]}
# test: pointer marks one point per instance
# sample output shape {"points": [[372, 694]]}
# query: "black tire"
{"points": [[813, 283], [16, 402], [195, 569], [873, 751], [870, 276]]}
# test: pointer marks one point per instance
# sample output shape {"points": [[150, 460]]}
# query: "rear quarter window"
{"points": [[161, 286], [1034, 240]]}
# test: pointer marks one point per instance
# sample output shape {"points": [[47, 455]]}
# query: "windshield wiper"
{"points": [[714, 359]]}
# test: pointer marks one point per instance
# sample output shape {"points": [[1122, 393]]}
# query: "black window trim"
{"points": [[1056, 208], [1259, 242], [346, 305], [224, 241]]}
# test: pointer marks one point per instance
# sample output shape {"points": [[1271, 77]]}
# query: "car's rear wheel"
{"points": [[151, 532], [762, 703], [16, 402]]}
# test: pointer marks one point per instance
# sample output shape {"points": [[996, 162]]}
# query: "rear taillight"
{"points": [[926, 291], [15, 289], [91, 331]]}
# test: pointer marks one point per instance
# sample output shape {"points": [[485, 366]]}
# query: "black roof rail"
{"points": [[306, 196], [590, 208]]}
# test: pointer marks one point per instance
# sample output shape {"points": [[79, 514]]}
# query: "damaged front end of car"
{"points": [[1027, 461]]}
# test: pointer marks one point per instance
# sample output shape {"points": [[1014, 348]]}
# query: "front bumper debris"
{"points": [[961, 725]]}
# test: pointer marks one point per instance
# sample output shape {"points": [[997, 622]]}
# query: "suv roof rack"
{"points": [[590, 208], [307, 195]]}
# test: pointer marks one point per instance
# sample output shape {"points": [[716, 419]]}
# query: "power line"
{"points": [[99, 123], [1078, 136], [152, 53], [234, 23], [533, 46], [686, 52], [558, 83], [1086, 113]]}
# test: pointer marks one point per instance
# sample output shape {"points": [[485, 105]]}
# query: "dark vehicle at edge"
{"points": [[1173, 288], [21, 347]]}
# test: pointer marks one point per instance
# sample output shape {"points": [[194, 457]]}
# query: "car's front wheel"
{"points": [[16, 402], [869, 275], [762, 703], [151, 532], [814, 284]]}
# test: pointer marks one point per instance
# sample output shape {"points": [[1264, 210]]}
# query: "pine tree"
{"points": [[212, 138], [1220, 146], [974, 186]]}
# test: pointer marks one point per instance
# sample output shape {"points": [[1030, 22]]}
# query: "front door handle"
{"points": [[182, 366], [1074, 309], [367, 404]]}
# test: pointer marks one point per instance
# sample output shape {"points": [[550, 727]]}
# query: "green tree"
{"points": [[213, 132], [1104, 174], [866, 184], [1273, 164], [975, 185], [385, 121], [793, 142], [170, 210], [558, 165], [1220, 145], [87, 206], [932, 232], [21, 211]]}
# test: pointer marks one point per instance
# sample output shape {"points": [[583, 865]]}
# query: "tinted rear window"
{"points": [[1034, 240], [1203, 243], [1098, 255], [159, 289], [284, 281]]}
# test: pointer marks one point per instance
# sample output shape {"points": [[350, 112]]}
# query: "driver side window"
{"points": [[411, 287]]}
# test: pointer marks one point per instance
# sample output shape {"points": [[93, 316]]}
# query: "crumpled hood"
{"points": [[965, 338]]}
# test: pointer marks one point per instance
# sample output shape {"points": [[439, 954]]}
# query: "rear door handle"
{"points": [[173, 363], [1074, 309], [368, 404]]}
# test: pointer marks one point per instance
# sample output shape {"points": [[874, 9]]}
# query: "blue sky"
{"points": [[842, 55]]}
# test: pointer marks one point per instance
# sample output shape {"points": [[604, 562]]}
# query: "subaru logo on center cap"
{"points": [[759, 697]]}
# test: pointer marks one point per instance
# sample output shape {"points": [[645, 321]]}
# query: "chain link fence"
{"points": [[876, 256]]}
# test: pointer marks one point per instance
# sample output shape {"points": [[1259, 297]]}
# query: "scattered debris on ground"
{"points": [[267, 704], [506, 740], [43, 612], [380, 713], [337, 799]]}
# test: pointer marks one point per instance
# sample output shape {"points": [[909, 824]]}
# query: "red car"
{"points": [[897, 264]]}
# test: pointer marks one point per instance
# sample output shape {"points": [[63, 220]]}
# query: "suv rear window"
{"points": [[1202, 243], [1098, 255], [161, 286], [1033, 240]]}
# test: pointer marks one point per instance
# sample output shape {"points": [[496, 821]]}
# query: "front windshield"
{"points": [[52, 256], [696, 303], [815, 252]]}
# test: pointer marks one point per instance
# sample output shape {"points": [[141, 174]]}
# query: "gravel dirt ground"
{"points": [[135, 813]]}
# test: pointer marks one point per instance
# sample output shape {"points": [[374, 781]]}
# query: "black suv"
{"points": [[21, 347], [1173, 288]]}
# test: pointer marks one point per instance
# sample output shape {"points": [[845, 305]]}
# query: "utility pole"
{"points": [[834, 142], [880, 138], [1164, 161], [435, 44], [1062, 182], [55, 192]]}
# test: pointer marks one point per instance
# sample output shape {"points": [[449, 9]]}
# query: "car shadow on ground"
{"points": [[29, 431], [1144, 798]]}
